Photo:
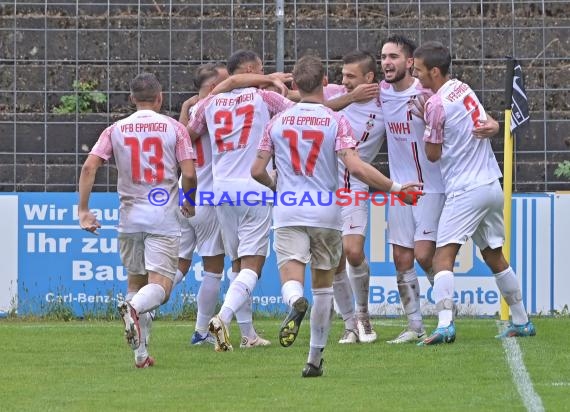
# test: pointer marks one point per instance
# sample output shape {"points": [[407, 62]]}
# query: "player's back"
{"points": [[144, 148], [235, 120], [305, 139], [466, 161]]}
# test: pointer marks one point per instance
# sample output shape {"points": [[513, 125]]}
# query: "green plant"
{"points": [[563, 169], [85, 99]]}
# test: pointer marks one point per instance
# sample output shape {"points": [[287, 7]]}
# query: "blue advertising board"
{"points": [[61, 266]]}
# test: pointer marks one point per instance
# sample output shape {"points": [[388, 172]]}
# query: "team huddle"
{"points": [[238, 135]]}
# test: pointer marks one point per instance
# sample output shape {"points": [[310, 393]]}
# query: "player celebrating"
{"points": [[474, 199], [235, 121], [304, 139], [367, 123], [148, 149], [203, 232], [412, 230]]}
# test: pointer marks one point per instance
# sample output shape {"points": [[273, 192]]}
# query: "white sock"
{"points": [[360, 281], [409, 289], [244, 315], [149, 297], [321, 317], [207, 299], [291, 291], [145, 324], [238, 294], [508, 284], [315, 356], [177, 278], [443, 295], [344, 299]]}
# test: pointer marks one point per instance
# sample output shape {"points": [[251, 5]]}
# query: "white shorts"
{"points": [[202, 233], [245, 229], [143, 252], [187, 239], [408, 224], [320, 246], [354, 219], [476, 213]]}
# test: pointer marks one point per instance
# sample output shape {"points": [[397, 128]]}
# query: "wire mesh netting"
{"points": [[50, 49]]}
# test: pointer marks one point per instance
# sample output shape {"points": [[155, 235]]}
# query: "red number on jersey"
{"points": [[199, 150], [472, 106], [149, 145], [225, 118], [317, 137]]}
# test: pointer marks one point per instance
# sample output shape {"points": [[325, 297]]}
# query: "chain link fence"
{"points": [[46, 46]]}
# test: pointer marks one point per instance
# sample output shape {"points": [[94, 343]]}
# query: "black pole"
{"points": [[509, 82]]}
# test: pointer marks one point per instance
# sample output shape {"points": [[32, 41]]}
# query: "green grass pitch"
{"points": [[87, 366]]}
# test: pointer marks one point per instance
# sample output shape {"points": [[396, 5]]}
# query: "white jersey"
{"points": [[450, 115], [147, 147], [203, 162], [305, 139], [235, 121], [367, 123], [406, 149]]}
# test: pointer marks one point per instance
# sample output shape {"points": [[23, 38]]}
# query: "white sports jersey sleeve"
{"points": [[305, 139], [406, 149], [147, 147], [450, 115]]}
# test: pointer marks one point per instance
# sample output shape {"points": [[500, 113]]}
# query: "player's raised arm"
{"points": [[361, 93], [252, 80]]}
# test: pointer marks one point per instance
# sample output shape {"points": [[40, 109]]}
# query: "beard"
{"points": [[399, 75]]}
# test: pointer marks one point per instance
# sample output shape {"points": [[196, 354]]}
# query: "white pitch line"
{"points": [[530, 398]]}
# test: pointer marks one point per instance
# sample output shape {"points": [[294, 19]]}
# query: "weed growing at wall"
{"points": [[85, 99]]}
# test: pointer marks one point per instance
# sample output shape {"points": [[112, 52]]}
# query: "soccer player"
{"points": [[306, 140], [235, 122], [412, 230], [203, 232], [474, 199], [222, 72], [367, 123], [148, 148]]}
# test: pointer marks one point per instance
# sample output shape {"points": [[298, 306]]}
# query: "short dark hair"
{"points": [[308, 73], [406, 44], [240, 57], [434, 54], [145, 87], [203, 73], [365, 59]]}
